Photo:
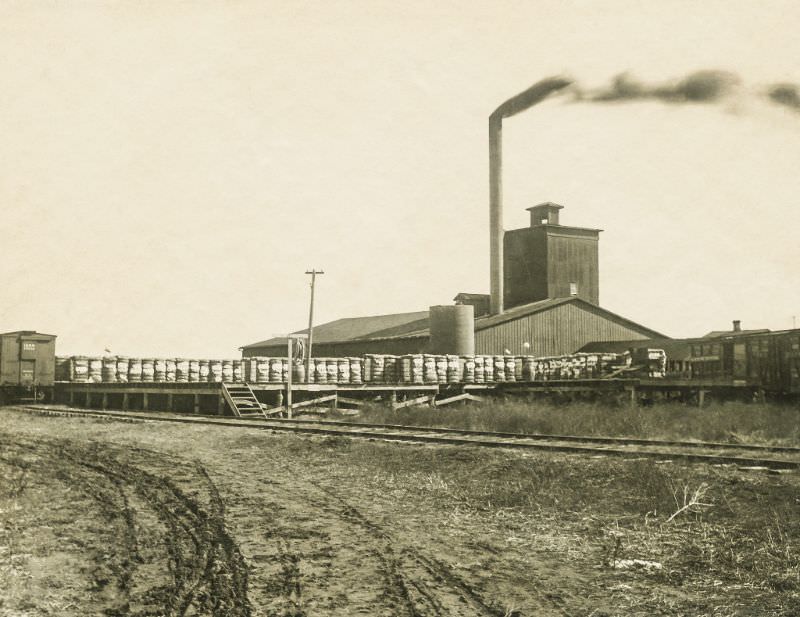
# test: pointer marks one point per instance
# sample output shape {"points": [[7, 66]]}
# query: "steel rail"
{"points": [[635, 441], [515, 443]]}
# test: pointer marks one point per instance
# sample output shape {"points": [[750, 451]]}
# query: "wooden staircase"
{"points": [[242, 400]]}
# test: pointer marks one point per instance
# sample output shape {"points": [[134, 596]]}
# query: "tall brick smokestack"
{"points": [[530, 97]]}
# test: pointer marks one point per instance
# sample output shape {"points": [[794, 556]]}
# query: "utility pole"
{"points": [[313, 272]]}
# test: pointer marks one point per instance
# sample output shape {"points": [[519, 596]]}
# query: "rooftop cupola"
{"points": [[544, 214]]}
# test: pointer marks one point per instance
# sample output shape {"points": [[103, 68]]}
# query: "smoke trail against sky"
{"points": [[699, 87], [786, 94]]}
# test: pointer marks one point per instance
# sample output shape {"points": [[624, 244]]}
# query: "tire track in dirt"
{"points": [[208, 574], [320, 555]]}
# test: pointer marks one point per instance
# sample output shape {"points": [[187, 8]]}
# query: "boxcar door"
{"points": [[27, 372], [739, 361]]}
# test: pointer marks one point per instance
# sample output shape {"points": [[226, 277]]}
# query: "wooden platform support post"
{"points": [[125, 401], [701, 398], [197, 403], [220, 405], [105, 400], [633, 398], [170, 401], [145, 401], [88, 399], [71, 397]]}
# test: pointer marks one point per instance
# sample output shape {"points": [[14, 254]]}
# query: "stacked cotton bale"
{"points": [[181, 370], [96, 369], [227, 371], [356, 370], [468, 364], [108, 370], [528, 368], [390, 367], [79, 368], [134, 370], [122, 367], [193, 373]]}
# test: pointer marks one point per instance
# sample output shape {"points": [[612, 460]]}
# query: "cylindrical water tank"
{"points": [[109, 370], [452, 329], [79, 368], [181, 370], [148, 369], [227, 371], [96, 369], [122, 369], [134, 370]]}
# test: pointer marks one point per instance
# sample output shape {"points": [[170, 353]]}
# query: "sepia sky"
{"points": [[169, 170]]}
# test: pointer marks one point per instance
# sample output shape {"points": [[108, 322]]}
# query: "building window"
{"points": [[573, 289], [29, 346]]}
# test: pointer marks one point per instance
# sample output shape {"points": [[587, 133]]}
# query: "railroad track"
{"points": [[714, 453]]}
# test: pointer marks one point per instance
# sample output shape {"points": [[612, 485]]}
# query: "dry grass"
{"points": [[726, 422], [571, 534]]}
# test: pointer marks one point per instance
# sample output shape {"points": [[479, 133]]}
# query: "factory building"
{"points": [[551, 295]]}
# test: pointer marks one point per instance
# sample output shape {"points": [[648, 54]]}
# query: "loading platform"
{"points": [[264, 399]]}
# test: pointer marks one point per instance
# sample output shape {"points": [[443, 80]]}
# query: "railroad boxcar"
{"points": [[769, 360], [27, 365]]}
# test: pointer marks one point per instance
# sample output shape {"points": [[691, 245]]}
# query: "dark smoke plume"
{"points": [[699, 87], [786, 94]]}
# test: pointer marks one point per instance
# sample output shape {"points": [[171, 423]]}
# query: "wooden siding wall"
{"points": [[560, 330], [573, 259]]}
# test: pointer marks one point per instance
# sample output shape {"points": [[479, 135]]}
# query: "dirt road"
{"points": [[103, 518]]}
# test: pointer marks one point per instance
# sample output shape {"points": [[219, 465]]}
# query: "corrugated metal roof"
{"points": [[351, 328], [675, 348], [27, 333], [721, 333], [414, 325]]}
